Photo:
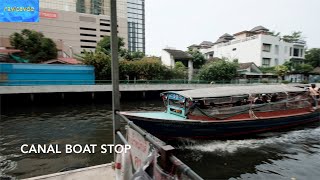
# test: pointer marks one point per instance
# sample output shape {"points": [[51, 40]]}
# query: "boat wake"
{"points": [[6, 165], [282, 140]]}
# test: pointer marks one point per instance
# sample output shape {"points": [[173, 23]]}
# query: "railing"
{"points": [[6, 82], [165, 150]]}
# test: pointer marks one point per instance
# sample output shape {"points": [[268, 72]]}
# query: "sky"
{"points": [[180, 23]]}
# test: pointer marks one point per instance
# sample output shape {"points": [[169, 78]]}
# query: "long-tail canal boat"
{"points": [[221, 112]]}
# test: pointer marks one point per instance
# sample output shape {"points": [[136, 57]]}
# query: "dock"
{"points": [[100, 172]]}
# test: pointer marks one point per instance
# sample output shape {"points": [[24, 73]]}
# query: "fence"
{"points": [[165, 151], [38, 82]]}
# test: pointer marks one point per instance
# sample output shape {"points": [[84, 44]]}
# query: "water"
{"points": [[291, 154]]}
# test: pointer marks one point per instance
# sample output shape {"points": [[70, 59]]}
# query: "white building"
{"points": [[256, 45], [170, 56]]}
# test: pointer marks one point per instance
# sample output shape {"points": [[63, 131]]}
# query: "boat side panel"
{"points": [[221, 129]]}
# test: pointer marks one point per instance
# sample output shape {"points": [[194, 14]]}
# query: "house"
{"points": [[170, 56], [250, 70], [257, 45]]}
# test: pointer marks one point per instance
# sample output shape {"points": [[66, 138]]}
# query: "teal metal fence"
{"points": [[7, 82]]}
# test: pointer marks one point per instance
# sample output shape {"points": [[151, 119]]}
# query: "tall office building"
{"points": [[74, 25], [136, 25]]}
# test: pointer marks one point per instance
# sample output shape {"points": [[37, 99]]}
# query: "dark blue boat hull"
{"points": [[222, 129]]}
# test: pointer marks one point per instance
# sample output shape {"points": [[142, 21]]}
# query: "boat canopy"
{"points": [[228, 91]]}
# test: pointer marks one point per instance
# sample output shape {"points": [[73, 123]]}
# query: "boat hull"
{"points": [[220, 129]]}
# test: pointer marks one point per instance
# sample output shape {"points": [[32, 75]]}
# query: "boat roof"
{"points": [[235, 90]]}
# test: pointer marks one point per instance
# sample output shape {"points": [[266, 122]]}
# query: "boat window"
{"points": [[176, 103]]}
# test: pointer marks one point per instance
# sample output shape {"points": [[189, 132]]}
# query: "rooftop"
{"points": [[178, 54], [235, 91]]}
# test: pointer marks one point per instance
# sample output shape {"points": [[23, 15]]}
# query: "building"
{"points": [[257, 45], [169, 57], [76, 25], [136, 25]]}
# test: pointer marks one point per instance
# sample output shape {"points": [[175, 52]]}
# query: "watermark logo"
{"points": [[19, 10]]}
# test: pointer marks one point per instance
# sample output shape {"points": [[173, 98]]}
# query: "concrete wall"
{"points": [[167, 59]]}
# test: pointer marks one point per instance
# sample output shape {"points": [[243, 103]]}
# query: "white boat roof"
{"points": [[227, 91]]}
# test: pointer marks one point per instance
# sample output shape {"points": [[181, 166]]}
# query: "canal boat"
{"points": [[222, 112]]}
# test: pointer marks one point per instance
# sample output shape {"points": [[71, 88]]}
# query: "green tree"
{"points": [[303, 69], [179, 70], [295, 36], [133, 55], [218, 70], [35, 46], [198, 58], [102, 63], [313, 57], [281, 71], [105, 45]]}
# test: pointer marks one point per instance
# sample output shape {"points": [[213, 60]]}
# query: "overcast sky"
{"points": [[180, 23]]}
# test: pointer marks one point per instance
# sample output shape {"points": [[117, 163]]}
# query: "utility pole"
{"points": [[115, 73]]}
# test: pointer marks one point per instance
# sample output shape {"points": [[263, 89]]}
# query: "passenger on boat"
{"points": [[314, 91], [274, 98], [265, 98], [258, 100]]}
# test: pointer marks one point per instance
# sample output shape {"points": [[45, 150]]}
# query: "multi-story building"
{"points": [[136, 25], [77, 25], [257, 45]]}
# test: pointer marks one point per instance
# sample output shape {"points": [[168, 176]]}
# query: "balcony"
{"points": [[299, 42]]}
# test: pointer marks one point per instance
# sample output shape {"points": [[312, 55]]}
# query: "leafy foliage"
{"points": [[267, 69], [198, 58], [281, 70], [219, 70], [34, 45], [295, 36], [313, 57], [303, 68]]}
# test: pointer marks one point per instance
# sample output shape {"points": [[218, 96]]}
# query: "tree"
{"points": [[101, 61], [36, 48], [313, 57], [295, 36], [179, 70], [303, 69], [281, 71], [218, 70], [133, 55], [273, 33], [105, 45], [198, 58]]}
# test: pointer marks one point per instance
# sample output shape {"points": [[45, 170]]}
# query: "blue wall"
{"points": [[16, 74]]}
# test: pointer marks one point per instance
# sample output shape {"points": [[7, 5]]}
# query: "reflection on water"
{"points": [[281, 155]]}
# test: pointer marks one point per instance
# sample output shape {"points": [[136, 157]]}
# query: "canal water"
{"points": [[293, 154]]}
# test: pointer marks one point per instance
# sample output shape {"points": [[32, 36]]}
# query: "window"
{"points": [[266, 47], [91, 41], [296, 52], [266, 62], [276, 49], [276, 62], [104, 30], [93, 47], [104, 24], [234, 49], [92, 35], [88, 29]]}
